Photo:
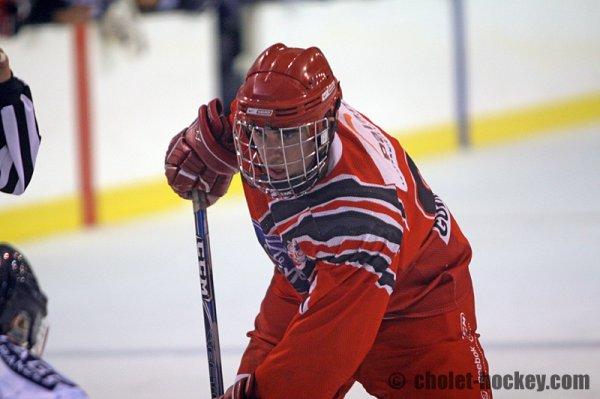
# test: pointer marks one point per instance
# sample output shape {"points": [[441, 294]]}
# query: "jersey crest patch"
{"points": [[296, 254], [288, 258]]}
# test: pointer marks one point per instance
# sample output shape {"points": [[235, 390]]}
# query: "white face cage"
{"points": [[282, 162]]}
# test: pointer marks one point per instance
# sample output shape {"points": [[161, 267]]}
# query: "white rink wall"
{"points": [[138, 102], [394, 60]]}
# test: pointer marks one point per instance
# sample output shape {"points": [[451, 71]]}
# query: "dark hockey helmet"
{"points": [[23, 306], [284, 120]]}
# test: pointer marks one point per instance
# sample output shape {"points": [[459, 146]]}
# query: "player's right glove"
{"points": [[244, 388], [202, 157]]}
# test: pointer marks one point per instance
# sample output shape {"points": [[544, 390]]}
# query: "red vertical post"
{"points": [[84, 129]]}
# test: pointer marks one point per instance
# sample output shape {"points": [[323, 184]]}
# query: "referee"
{"points": [[19, 136]]}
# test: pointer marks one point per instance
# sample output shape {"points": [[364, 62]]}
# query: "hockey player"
{"points": [[19, 137], [371, 280], [23, 375]]}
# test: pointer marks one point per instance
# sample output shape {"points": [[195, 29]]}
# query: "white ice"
{"points": [[125, 306]]}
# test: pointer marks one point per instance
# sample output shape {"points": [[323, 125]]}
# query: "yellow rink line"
{"points": [[121, 203]]}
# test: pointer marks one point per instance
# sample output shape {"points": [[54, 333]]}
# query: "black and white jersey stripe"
{"points": [[326, 225], [342, 186], [19, 136], [344, 221]]}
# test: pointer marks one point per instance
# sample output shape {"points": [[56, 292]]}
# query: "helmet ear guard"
{"points": [[333, 115], [286, 90]]}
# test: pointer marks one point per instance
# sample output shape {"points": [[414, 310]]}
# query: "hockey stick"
{"points": [[211, 327]]}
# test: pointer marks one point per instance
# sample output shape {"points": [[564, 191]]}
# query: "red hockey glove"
{"points": [[202, 157], [242, 389]]}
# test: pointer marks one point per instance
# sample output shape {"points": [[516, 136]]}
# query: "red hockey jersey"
{"points": [[369, 241]]}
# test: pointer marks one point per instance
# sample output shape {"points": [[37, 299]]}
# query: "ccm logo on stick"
{"points": [[206, 294]]}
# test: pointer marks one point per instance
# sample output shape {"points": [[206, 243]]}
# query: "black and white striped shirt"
{"points": [[19, 136]]}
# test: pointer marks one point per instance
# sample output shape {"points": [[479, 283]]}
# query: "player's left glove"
{"points": [[244, 388]]}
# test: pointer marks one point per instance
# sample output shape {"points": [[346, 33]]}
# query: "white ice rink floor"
{"points": [[125, 305]]}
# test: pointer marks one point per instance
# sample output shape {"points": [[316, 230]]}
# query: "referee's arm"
{"points": [[19, 137]]}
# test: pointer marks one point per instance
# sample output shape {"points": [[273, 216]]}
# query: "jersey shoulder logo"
{"points": [[443, 223]]}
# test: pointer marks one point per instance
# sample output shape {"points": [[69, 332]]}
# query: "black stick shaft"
{"points": [[211, 327]]}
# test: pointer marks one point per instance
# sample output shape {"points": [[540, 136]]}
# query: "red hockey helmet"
{"points": [[284, 120]]}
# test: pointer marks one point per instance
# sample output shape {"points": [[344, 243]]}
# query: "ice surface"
{"points": [[125, 305]]}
